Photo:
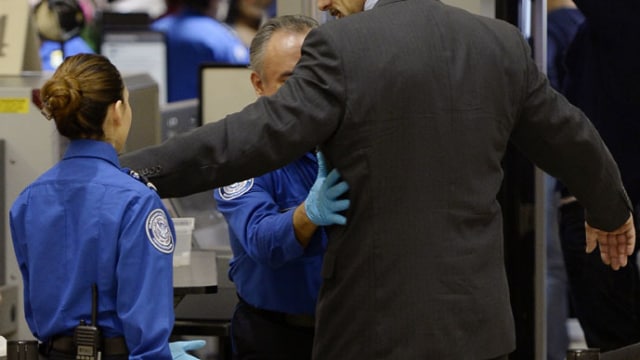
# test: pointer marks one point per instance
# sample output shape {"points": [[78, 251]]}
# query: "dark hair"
{"points": [[296, 24], [79, 93], [198, 5], [233, 12]]}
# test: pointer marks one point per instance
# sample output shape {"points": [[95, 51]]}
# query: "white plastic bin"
{"points": [[184, 230]]}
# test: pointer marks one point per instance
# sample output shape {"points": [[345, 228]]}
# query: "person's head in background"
{"points": [[207, 7], [171, 7], [59, 20], [275, 51], [60, 24], [246, 16], [341, 8], [87, 99], [560, 4]]}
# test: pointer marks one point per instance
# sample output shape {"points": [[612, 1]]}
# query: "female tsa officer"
{"points": [[88, 224]]}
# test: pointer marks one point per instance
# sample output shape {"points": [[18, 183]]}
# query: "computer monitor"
{"points": [[138, 51], [210, 230], [224, 89], [145, 111], [179, 116], [108, 21]]}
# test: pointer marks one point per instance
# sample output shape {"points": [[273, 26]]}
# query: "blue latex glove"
{"points": [[179, 349], [323, 204]]}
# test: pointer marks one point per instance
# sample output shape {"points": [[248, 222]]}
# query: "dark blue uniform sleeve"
{"points": [[611, 34], [145, 279], [264, 232]]}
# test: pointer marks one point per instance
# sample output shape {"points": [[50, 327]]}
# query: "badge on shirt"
{"points": [[159, 232], [234, 190]]}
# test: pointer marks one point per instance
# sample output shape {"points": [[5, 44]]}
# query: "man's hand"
{"points": [[323, 203], [179, 349], [615, 246]]}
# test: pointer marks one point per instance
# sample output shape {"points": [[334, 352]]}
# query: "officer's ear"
{"points": [[256, 81], [114, 115], [118, 110]]}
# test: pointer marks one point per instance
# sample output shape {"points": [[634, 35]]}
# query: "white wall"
{"points": [[481, 7]]}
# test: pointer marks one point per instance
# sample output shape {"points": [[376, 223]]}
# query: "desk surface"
{"points": [[200, 276]]}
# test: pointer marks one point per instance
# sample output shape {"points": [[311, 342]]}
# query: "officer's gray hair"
{"points": [[293, 23]]}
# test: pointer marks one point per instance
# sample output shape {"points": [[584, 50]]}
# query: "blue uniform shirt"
{"points": [[562, 25], [192, 39], [86, 221], [603, 80], [270, 269]]}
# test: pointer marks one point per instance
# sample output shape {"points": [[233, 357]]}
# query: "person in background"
{"points": [[563, 20], [246, 16], [172, 7], [194, 37], [111, 232], [603, 79], [414, 102], [276, 239], [59, 24]]}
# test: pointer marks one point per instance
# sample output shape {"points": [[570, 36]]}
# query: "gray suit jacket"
{"points": [[414, 102]]}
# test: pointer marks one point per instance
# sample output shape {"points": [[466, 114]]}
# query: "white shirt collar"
{"points": [[369, 4]]}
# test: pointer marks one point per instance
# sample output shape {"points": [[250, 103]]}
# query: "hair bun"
{"points": [[64, 98]]}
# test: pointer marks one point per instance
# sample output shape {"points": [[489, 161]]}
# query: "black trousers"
{"points": [[606, 302], [256, 336]]}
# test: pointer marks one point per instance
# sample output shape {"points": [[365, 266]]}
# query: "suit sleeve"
{"points": [[561, 140], [145, 279], [265, 135]]}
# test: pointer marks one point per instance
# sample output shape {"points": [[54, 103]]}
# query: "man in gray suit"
{"points": [[414, 102]]}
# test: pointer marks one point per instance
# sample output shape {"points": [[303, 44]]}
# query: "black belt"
{"points": [[297, 320], [65, 344]]}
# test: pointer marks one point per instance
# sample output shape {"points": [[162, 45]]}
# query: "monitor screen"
{"points": [[138, 51], [210, 230], [224, 89], [179, 116], [108, 21], [145, 111]]}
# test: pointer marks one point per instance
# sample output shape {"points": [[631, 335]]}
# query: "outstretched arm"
{"points": [[614, 245]]}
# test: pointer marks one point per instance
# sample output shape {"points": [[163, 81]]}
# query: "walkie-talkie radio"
{"points": [[87, 337]]}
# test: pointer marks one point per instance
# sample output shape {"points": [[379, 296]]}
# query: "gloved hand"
{"points": [[323, 205], [179, 349]]}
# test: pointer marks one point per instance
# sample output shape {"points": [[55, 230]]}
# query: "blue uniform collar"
{"points": [[92, 148]]}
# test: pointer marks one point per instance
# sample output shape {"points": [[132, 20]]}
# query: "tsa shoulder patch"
{"points": [[234, 190], [159, 232]]}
